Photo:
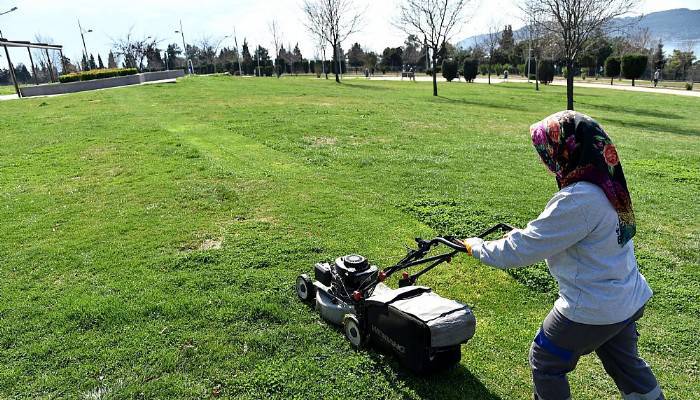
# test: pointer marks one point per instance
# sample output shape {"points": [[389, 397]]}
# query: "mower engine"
{"points": [[338, 285]]}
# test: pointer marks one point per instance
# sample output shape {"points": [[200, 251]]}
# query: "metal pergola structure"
{"points": [[29, 46]]}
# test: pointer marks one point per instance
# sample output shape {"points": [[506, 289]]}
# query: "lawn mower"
{"points": [[424, 330]]}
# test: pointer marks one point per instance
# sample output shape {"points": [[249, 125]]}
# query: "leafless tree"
{"points": [[207, 49], [436, 21], [133, 50], [490, 44], [322, 49], [574, 22], [40, 57], [333, 21], [276, 33]]}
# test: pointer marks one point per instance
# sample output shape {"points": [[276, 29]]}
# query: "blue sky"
{"points": [[109, 20]]}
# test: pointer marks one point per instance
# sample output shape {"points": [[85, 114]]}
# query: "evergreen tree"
{"points": [[612, 68], [470, 69], [507, 43], [633, 66], [172, 52], [247, 62], [111, 61], [297, 53], [100, 64], [93, 64], [659, 58], [66, 66], [22, 73], [392, 59], [297, 60], [411, 53], [356, 56], [84, 64]]}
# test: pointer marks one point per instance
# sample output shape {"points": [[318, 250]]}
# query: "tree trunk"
{"points": [[537, 76], [570, 86], [611, 80], [489, 72], [435, 91], [336, 63], [632, 82]]}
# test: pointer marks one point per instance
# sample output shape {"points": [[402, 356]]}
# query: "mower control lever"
{"points": [[505, 228]]}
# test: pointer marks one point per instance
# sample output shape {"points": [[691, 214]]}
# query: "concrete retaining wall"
{"points": [[73, 87]]}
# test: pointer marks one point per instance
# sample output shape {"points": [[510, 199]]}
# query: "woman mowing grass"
{"points": [[585, 236]]}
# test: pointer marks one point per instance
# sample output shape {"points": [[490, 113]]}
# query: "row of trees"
{"points": [[572, 36]]}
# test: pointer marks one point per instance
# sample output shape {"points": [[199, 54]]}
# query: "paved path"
{"points": [[495, 80]]}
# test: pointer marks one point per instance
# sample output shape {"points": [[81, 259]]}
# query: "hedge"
{"points": [[97, 74]]}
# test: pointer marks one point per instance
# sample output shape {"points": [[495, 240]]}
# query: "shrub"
{"points": [[470, 69], [545, 71], [689, 86], [96, 74], [633, 66], [584, 73], [612, 67], [449, 70]]}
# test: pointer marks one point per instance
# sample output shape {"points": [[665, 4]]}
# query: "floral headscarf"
{"points": [[575, 148]]}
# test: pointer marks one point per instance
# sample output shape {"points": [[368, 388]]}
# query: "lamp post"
{"points": [[217, 49], [238, 53], [184, 48], [257, 55], [82, 35], [7, 12]]}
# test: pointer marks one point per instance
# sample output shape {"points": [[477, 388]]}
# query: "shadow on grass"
{"points": [[644, 112], [480, 102], [453, 383], [651, 126], [367, 87]]}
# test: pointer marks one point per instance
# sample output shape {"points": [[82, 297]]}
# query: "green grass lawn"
{"points": [[151, 235], [7, 89]]}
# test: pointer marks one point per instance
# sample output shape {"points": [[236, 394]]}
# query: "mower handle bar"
{"points": [[452, 243], [418, 257]]}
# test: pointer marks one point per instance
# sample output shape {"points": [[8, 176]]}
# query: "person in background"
{"points": [[657, 76], [505, 74], [585, 236]]}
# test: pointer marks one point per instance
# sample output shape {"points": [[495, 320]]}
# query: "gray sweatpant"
{"points": [[561, 342]]}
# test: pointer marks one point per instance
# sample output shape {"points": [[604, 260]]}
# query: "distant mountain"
{"points": [[674, 27]]}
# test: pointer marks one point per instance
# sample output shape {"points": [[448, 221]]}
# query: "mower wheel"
{"points": [[305, 289], [351, 326]]}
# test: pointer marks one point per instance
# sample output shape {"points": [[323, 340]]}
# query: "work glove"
{"points": [[471, 242]]}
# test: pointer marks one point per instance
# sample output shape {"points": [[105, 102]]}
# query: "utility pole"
{"points": [[238, 53], [257, 56], [82, 35], [216, 49], [184, 49]]}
